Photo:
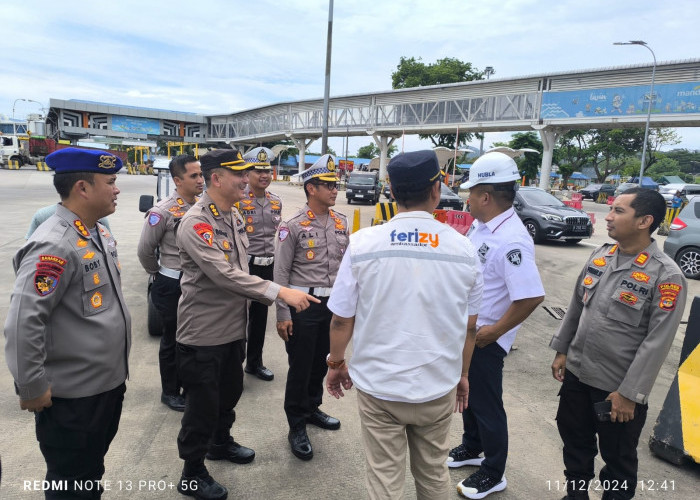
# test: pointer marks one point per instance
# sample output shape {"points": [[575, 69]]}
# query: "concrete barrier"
{"points": [[383, 212], [41, 166]]}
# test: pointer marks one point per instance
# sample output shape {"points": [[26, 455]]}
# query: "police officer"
{"points": [[68, 330], [512, 290], [309, 248], [262, 211], [212, 317], [620, 324], [158, 240]]}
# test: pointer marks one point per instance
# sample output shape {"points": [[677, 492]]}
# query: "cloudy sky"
{"points": [[211, 56]]}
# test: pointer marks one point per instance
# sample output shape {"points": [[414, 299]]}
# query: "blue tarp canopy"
{"points": [[647, 182], [578, 175]]}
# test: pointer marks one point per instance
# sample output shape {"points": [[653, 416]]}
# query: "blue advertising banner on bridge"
{"points": [[135, 125], [672, 98]]}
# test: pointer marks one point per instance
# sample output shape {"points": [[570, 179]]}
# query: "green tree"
{"points": [[371, 150], [528, 164], [412, 72]]}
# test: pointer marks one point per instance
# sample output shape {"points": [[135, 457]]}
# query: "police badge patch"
{"points": [[483, 249], [154, 219], [515, 257]]}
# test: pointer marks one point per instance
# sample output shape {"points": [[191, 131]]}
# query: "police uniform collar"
{"points": [[73, 221]]}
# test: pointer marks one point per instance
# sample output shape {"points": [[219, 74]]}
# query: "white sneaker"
{"points": [[479, 485]]}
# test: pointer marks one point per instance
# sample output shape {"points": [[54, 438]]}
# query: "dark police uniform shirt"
{"points": [[622, 319], [215, 282], [308, 251], [261, 221], [68, 326]]}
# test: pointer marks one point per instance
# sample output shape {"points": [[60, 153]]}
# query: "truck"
{"points": [[25, 149], [31, 149]]}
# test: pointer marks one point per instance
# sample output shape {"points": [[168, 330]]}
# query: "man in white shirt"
{"points": [[512, 290], [410, 366]]}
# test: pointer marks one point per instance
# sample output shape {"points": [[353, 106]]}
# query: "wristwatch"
{"points": [[334, 365]]}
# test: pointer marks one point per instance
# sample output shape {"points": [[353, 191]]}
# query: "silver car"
{"points": [[683, 242], [688, 191]]}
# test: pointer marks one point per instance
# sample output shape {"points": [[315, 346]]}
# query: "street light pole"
{"points": [[651, 100], [488, 71], [327, 89], [14, 124]]}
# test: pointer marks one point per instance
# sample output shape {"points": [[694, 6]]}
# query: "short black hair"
{"points": [[409, 198], [177, 165], [648, 202], [64, 182]]}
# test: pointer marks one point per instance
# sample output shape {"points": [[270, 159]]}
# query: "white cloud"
{"points": [[218, 56]]}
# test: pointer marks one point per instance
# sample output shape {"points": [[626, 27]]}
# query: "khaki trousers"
{"points": [[387, 426]]}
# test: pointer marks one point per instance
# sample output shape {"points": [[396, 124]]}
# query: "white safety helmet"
{"points": [[492, 168]]}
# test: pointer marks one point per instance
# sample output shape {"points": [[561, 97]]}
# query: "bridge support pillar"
{"points": [[549, 138], [302, 143], [383, 142]]}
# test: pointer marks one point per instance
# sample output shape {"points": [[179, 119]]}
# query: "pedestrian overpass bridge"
{"points": [[549, 103]]}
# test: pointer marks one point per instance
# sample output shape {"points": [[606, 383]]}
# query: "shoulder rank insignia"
{"points": [[310, 214], [180, 201], [205, 231], [214, 211], [81, 227], [641, 259], [613, 249]]}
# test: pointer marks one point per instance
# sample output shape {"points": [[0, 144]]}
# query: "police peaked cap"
{"points": [[259, 158], [324, 170], [223, 158], [83, 160]]}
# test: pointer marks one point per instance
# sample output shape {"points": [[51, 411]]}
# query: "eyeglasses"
{"points": [[329, 185]]}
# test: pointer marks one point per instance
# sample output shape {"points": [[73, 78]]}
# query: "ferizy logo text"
{"points": [[414, 238]]}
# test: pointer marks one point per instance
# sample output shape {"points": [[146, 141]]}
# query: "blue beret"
{"points": [[83, 160], [413, 171], [323, 169]]}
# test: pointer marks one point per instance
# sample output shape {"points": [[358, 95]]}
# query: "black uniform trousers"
{"points": [[485, 421], [618, 441], [74, 435], [257, 320], [212, 377], [165, 293], [307, 349]]}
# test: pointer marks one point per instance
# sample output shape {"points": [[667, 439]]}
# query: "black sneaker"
{"points": [[461, 456], [202, 487], [480, 485]]}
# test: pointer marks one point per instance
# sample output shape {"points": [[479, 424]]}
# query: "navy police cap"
{"points": [[413, 171], [83, 160], [224, 158]]}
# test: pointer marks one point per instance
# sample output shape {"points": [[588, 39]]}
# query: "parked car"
{"points": [[683, 241], [624, 187], [647, 183], [386, 191], [449, 200], [546, 217], [688, 191], [363, 186], [592, 191]]}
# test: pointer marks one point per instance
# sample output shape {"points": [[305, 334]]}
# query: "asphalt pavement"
{"points": [[143, 462]]}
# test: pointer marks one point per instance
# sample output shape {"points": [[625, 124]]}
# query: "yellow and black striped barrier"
{"points": [[13, 165], [676, 435], [383, 212], [356, 220], [41, 166], [672, 213]]}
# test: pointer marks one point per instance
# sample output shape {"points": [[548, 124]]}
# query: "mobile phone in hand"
{"points": [[602, 410]]}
